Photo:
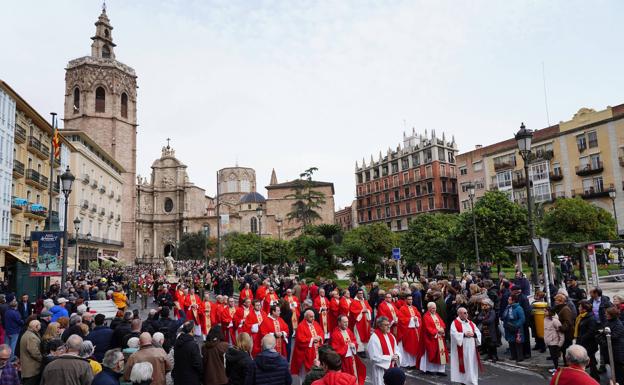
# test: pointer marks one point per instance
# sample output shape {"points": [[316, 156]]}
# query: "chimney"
{"points": [[478, 146]]}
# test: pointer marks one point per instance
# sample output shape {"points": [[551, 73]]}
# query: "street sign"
{"points": [[396, 253], [541, 245]]}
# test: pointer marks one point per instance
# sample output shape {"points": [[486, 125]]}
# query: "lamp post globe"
{"points": [[67, 179]]}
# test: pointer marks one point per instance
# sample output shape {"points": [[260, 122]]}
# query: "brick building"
{"points": [[344, 218], [417, 177]]}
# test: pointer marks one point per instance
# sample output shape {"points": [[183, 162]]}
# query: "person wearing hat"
{"points": [[394, 376], [59, 310], [575, 293], [44, 318]]}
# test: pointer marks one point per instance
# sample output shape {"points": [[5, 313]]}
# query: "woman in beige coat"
{"points": [[553, 337]]}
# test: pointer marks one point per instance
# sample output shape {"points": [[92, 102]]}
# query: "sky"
{"points": [[294, 84]]}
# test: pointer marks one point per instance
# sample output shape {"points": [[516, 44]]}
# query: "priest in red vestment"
{"points": [[195, 311], [178, 301], [304, 291], [274, 324], [345, 305], [308, 338], [241, 314], [360, 315], [262, 290], [269, 300], [435, 353], [227, 322], [321, 305], [388, 310], [252, 326], [408, 333], [334, 310], [245, 293], [293, 304], [343, 342]]}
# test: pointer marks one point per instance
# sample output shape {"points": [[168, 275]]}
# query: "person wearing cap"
{"points": [[524, 284], [45, 317], [394, 376], [575, 292], [59, 310]]}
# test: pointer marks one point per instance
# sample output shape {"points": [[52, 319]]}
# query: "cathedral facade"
{"points": [[100, 100]]}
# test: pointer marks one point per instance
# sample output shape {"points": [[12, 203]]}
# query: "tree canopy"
{"points": [[576, 220], [429, 239], [306, 202], [366, 246]]}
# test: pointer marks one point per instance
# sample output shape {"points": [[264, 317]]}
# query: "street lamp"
{"points": [[612, 195], [471, 194], [77, 229], [524, 138], [67, 179], [259, 214]]}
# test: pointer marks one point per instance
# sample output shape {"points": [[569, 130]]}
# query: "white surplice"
{"points": [[470, 344], [380, 361]]}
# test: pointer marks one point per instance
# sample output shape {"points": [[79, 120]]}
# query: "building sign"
{"points": [[45, 253]]}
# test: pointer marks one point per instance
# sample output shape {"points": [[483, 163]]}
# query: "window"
{"points": [[168, 205], [477, 166], [431, 205], [428, 171], [124, 105], [503, 179], [406, 178], [539, 171], [592, 139], [588, 186], [417, 190], [100, 99], [408, 208], [368, 188], [465, 204], [451, 157], [427, 154], [76, 100], [387, 211], [441, 157], [595, 161], [541, 192], [397, 210], [378, 213], [231, 186], [598, 184], [395, 180], [399, 224], [106, 53], [557, 169], [463, 171], [387, 197], [405, 163], [415, 159], [581, 143], [376, 186], [429, 187], [407, 192], [418, 205], [253, 225], [395, 167], [396, 195], [385, 184]]}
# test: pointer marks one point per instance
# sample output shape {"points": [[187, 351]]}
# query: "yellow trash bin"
{"points": [[539, 311]]}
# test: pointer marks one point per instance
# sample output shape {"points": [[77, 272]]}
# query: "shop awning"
{"points": [[19, 256]]}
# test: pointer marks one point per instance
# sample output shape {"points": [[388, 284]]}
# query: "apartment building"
{"points": [[95, 201], [418, 176], [581, 157]]}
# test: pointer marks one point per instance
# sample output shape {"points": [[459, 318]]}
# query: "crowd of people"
{"points": [[281, 329]]}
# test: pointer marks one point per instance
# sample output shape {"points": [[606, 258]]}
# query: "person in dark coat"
{"points": [[213, 354], [238, 362], [585, 329], [112, 368], [168, 328], [187, 366], [600, 303], [617, 343], [121, 330], [528, 317], [487, 322], [101, 337], [270, 368], [567, 321]]}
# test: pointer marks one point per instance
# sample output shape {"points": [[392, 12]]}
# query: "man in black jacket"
{"points": [[121, 330], [187, 366], [575, 293]]}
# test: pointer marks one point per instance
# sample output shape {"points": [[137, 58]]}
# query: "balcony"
{"points": [[102, 211], [17, 204], [35, 179], [589, 169], [94, 183], [518, 181], [57, 162], [15, 240], [541, 155], [555, 175], [37, 148], [595, 192], [18, 169], [556, 195], [56, 188], [20, 134], [94, 208], [111, 216], [35, 211], [86, 178], [102, 189], [502, 165], [84, 205], [118, 217], [111, 194], [621, 161], [93, 240]]}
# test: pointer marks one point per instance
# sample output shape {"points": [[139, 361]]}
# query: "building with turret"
{"points": [[416, 177]]}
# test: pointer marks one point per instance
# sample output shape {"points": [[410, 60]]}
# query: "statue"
{"points": [[169, 270]]}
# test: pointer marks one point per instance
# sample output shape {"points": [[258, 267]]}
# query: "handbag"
{"points": [[518, 337]]}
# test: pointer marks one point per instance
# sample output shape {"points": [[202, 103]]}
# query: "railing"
{"points": [[118, 217], [518, 181], [91, 239], [86, 178], [20, 134], [15, 240], [38, 148], [118, 197], [43, 212], [84, 204], [56, 188], [596, 192], [555, 175], [94, 183], [18, 167], [102, 211], [589, 169], [102, 189], [94, 208], [34, 176]]}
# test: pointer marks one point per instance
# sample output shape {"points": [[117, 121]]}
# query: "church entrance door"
{"points": [[169, 249]]}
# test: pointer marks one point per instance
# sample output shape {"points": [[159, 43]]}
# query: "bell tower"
{"points": [[100, 99]]}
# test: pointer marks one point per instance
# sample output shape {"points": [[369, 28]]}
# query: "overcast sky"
{"points": [[293, 84]]}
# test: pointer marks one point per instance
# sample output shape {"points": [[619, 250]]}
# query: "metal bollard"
{"points": [[607, 332]]}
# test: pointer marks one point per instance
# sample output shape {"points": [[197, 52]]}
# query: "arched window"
{"points": [[124, 105], [254, 225], [76, 100], [100, 99], [106, 53]]}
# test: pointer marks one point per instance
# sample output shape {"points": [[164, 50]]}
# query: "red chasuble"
{"points": [[433, 344], [410, 336], [340, 340], [227, 317], [251, 320], [244, 294], [305, 351], [389, 311], [270, 325], [361, 321], [269, 299], [321, 305]]}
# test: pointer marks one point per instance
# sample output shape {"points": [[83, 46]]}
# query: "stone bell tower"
{"points": [[100, 99]]}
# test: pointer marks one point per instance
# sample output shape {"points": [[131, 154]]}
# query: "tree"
{"points": [[192, 246], [500, 223], [306, 202], [318, 247], [429, 239], [576, 220], [242, 248], [366, 246]]}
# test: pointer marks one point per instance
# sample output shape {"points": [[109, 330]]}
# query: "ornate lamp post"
{"points": [[77, 229], [67, 179], [612, 195], [259, 215], [471, 194], [524, 138]]}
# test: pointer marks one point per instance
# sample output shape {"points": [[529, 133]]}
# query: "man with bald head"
{"points": [[155, 356], [30, 354], [308, 338], [68, 368]]}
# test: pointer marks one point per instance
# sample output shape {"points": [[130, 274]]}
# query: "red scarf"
{"points": [[384, 345], [460, 349]]}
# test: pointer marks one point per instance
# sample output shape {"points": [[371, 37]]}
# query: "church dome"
{"points": [[252, 197]]}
